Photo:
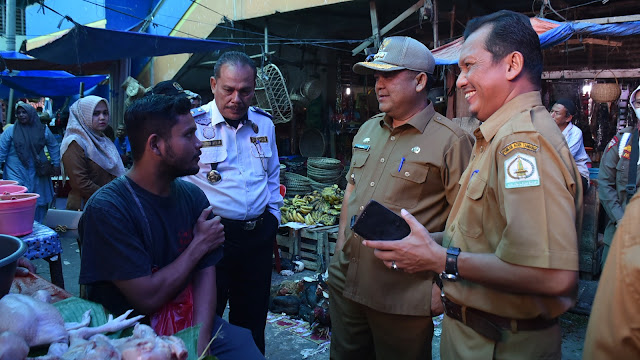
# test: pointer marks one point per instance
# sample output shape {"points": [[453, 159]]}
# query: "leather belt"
{"points": [[246, 225], [491, 325]]}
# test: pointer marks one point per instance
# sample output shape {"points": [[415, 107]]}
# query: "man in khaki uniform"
{"points": [[511, 265], [407, 157], [614, 322], [613, 176]]}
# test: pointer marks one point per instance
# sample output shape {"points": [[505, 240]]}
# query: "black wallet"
{"points": [[377, 222]]}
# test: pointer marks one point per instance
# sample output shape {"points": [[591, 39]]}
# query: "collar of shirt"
{"points": [[217, 118], [418, 121], [490, 127], [567, 130]]}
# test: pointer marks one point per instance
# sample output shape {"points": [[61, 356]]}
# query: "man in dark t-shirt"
{"points": [[147, 237]]}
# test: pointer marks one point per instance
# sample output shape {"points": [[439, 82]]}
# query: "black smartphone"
{"points": [[377, 222]]}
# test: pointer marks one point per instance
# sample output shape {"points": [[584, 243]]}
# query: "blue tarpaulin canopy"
{"points": [[551, 33], [82, 45], [45, 83]]}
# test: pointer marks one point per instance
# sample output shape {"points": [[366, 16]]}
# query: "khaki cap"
{"points": [[399, 53]]}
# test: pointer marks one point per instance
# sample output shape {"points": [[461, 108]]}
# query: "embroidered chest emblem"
{"points": [[521, 171], [366, 140]]}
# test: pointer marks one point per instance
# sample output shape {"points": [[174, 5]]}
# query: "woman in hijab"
{"points": [[22, 148], [89, 158]]}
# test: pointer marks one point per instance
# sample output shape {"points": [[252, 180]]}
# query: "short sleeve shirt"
{"points": [[614, 322], [415, 166], [115, 247], [520, 199]]}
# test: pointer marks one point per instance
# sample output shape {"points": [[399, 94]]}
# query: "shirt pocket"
{"points": [[470, 214], [407, 185], [213, 154], [260, 155], [358, 160]]}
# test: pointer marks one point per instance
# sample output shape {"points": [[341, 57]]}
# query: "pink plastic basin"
{"points": [[12, 189], [16, 213], [8, 182]]}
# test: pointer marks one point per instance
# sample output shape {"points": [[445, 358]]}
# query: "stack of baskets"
{"points": [[283, 169], [323, 172], [296, 184]]}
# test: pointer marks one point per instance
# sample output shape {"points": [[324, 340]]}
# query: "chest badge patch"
{"points": [[518, 145], [208, 132], [521, 171], [366, 140], [612, 143], [415, 149]]}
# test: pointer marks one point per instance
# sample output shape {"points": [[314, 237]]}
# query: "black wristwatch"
{"points": [[450, 272]]}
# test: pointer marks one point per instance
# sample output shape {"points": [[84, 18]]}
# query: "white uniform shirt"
{"points": [[247, 161], [573, 135]]}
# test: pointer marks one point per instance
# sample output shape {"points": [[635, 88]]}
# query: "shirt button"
{"points": [[453, 228], [372, 183], [353, 176], [382, 160], [406, 173], [392, 138], [361, 208]]}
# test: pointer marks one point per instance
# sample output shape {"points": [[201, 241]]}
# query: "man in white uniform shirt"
{"points": [[563, 112], [239, 173]]}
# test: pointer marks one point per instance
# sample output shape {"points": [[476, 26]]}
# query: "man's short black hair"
{"points": [[234, 58], [511, 31], [152, 114]]}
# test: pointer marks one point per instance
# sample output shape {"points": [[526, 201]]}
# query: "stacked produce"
{"points": [[314, 208]]}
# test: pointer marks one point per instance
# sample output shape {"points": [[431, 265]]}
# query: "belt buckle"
{"points": [[249, 225]]}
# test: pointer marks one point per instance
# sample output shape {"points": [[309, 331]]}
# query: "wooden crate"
{"points": [[315, 246], [288, 242]]}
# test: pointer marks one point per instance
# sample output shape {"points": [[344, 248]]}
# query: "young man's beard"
{"points": [[174, 168]]}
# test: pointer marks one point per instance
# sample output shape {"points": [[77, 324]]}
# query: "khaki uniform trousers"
{"points": [[359, 332], [459, 342]]}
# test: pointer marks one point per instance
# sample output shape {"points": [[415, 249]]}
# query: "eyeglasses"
{"points": [[258, 146]]}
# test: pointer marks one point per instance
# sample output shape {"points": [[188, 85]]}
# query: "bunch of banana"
{"points": [[333, 194], [314, 207]]}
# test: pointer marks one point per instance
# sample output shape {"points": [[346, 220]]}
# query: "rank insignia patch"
{"points": [[521, 171], [626, 153], [518, 145]]}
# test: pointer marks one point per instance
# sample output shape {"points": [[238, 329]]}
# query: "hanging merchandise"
{"points": [[272, 94], [605, 92], [606, 130]]}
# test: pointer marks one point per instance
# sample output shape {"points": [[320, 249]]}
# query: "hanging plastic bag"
{"points": [[175, 316]]}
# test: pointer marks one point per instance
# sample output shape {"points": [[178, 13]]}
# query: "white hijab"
{"points": [[97, 147]]}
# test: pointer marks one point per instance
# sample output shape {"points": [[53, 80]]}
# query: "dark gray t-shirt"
{"points": [[114, 245]]}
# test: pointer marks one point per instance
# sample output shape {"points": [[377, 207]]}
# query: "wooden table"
{"points": [[44, 243]]}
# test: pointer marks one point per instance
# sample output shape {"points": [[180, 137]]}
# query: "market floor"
{"points": [[285, 345]]}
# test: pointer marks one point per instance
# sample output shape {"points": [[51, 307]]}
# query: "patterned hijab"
{"points": [[28, 139], [97, 147]]}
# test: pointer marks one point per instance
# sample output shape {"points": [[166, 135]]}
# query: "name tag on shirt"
{"points": [[361, 147], [212, 143], [261, 139]]}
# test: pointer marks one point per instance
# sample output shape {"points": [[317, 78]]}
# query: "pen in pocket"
{"points": [[401, 163]]}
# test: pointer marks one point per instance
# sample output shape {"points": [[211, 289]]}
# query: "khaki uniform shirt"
{"points": [[85, 176], [435, 152], [614, 324], [518, 200]]}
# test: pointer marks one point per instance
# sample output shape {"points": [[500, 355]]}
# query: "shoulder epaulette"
{"points": [[198, 111], [260, 111]]}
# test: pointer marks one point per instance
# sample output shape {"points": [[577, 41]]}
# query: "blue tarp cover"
{"points": [[82, 45], [448, 54], [45, 83]]}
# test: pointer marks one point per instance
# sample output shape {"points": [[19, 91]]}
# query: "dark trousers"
{"points": [[244, 274]]}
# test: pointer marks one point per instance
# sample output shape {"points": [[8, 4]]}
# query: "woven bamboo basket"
{"points": [[605, 92]]}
